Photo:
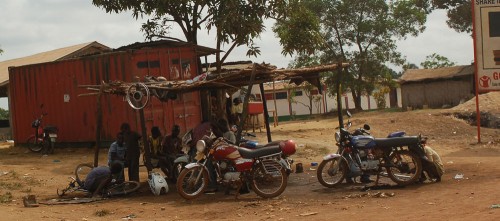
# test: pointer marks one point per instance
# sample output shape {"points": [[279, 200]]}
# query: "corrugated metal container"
{"points": [[55, 85]]}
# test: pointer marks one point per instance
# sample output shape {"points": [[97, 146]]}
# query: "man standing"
{"points": [[133, 153]]}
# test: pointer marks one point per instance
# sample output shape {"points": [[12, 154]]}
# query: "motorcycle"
{"points": [[234, 167], [44, 138], [359, 153]]}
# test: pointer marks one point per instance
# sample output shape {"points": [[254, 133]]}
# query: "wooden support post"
{"points": [[245, 104], [339, 91], [98, 127], [266, 113]]}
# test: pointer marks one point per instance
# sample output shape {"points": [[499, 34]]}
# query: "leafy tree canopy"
{"points": [[4, 114], [436, 61], [235, 22], [459, 12], [361, 32]]}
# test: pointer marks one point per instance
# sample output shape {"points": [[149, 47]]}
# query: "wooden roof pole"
{"points": [[98, 127], [266, 113], [245, 104]]}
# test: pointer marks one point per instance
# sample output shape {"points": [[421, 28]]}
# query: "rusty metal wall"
{"points": [[55, 85]]}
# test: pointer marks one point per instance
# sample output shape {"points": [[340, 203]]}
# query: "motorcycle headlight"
{"points": [[200, 146], [337, 136]]}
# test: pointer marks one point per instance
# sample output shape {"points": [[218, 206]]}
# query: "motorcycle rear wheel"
{"points": [[33, 145], [407, 167], [332, 172], [269, 181], [192, 182]]}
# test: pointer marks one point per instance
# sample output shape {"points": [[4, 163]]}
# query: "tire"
{"points": [[122, 188], [269, 180], [332, 172], [176, 171], [81, 172], [192, 182], [407, 167], [33, 145]]}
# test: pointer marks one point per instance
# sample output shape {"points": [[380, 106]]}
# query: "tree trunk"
{"points": [[356, 96]]}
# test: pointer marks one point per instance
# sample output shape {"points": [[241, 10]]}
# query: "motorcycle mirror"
{"points": [[349, 113], [366, 127], [349, 124]]}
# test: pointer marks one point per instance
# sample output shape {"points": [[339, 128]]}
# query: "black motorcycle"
{"points": [[399, 157]]}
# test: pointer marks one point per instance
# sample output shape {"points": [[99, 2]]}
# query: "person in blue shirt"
{"points": [[116, 153], [101, 177]]}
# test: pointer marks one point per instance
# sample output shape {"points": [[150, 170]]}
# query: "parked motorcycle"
{"points": [[359, 153], [44, 138], [235, 166]]}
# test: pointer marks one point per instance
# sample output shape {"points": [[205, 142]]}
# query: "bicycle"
{"points": [[76, 184]]}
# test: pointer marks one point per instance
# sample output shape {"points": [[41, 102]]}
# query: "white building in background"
{"points": [[277, 95]]}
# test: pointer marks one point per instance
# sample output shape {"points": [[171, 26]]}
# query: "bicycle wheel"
{"points": [[122, 188], [33, 145], [81, 172]]}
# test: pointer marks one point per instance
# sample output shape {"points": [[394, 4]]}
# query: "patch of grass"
{"points": [[102, 213], [28, 190], [14, 174], [32, 181], [6, 198], [11, 186]]}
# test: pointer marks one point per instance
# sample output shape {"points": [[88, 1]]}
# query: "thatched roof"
{"points": [[415, 75], [227, 79]]}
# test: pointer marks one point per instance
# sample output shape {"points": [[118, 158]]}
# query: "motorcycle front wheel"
{"points": [[269, 180], [176, 170], [192, 182], [332, 172], [33, 145], [405, 167]]}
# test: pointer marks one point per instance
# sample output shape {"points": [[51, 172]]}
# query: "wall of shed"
{"points": [[49, 84], [436, 94]]}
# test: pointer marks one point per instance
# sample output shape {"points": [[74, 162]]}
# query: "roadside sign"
{"points": [[486, 26]]}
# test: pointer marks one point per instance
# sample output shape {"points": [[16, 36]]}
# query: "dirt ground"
{"points": [[470, 198]]}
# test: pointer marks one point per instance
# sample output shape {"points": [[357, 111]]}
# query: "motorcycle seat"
{"points": [[50, 129], [254, 153], [396, 141]]}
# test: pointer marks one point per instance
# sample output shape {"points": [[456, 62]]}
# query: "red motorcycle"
{"points": [[44, 138], [235, 166]]}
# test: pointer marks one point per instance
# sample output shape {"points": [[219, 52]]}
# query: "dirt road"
{"points": [[470, 198]]}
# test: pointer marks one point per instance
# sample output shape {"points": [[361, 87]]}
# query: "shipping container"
{"points": [[56, 86]]}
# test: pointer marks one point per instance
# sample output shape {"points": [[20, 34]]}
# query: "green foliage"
{"points": [[6, 198], [436, 61], [235, 22], [4, 114], [380, 96], [459, 12], [361, 32]]}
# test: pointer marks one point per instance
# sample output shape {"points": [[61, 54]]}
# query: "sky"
{"points": [[32, 26]]}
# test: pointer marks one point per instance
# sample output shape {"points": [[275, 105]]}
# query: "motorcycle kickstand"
{"points": [[378, 176]]}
